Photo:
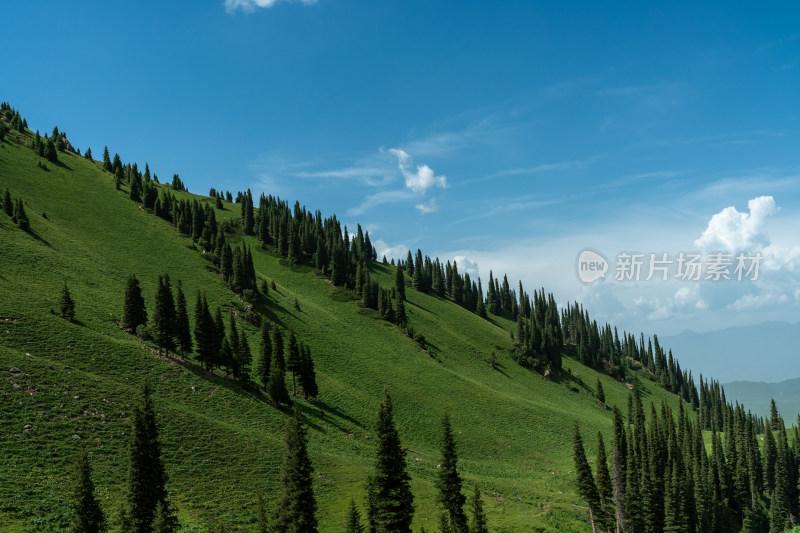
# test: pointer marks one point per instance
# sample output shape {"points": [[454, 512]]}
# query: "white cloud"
{"points": [[383, 197], [684, 301], [468, 266], [429, 207], [734, 231], [423, 179], [249, 6], [398, 251]]}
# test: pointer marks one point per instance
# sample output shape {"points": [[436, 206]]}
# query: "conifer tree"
{"points": [[164, 314], [277, 382], [264, 360], [392, 507], [601, 396], [89, 517], [277, 349], [88, 154], [243, 358], [205, 333], [164, 520], [297, 506], [604, 487], [400, 284], [8, 204], [308, 377], [478, 522], [587, 490], [449, 482], [182, 328], [146, 477], [293, 360], [353, 524], [134, 313], [400, 314], [118, 179], [20, 218], [66, 304], [106, 160], [136, 187]]}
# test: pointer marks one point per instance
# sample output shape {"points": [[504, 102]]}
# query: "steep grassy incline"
{"points": [[222, 444]]}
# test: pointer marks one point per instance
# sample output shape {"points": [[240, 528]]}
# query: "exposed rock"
{"points": [[14, 370]]}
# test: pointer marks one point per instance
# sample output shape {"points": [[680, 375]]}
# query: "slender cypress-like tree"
{"points": [[89, 516], [308, 377], [277, 383], [243, 358], [293, 360], [400, 284], [146, 478], [205, 333], [297, 507], [106, 160], [8, 204], [604, 486], [134, 312], [585, 482], [449, 481], [182, 328], [20, 218], [393, 504]]}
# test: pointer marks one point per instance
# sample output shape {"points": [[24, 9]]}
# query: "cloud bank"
{"points": [[733, 231], [423, 179]]}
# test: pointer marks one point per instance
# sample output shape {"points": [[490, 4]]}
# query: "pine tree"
{"points": [[478, 524], [587, 490], [353, 524], [182, 328], [296, 511], [601, 396], [20, 218], [205, 333], [164, 314], [89, 516], [165, 520], [604, 486], [308, 377], [134, 312], [264, 360], [277, 382], [66, 304], [8, 204], [118, 179], [400, 314], [106, 160], [393, 505], [243, 358], [88, 154], [400, 284], [293, 360], [146, 478], [449, 481]]}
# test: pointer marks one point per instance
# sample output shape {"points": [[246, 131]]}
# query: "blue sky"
{"points": [[510, 135]]}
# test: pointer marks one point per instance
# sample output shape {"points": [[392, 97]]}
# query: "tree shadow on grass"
{"points": [[38, 238], [421, 307]]}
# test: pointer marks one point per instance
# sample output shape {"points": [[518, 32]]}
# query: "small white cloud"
{"points": [[398, 251], [423, 179], [468, 266], [429, 207], [249, 6], [734, 231]]}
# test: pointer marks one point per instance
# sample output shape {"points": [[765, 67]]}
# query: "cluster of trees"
{"points": [[539, 339], [10, 116], [15, 208], [389, 501], [662, 478], [214, 346]]}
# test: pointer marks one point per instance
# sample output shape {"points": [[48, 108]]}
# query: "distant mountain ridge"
{"points": [[740, 353], [756, 396]]}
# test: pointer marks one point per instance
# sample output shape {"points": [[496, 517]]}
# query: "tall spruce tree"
{"points": [[164, 315], [308, 377], [392, 507], [134, 312], [293, 360], [400, 284], [297, 506], [20, 218], [604, 486], [478, 524], [182, 328], [587, 490], [353, 524], [88, 516], [449, 481], [264, 360], [205, 333], [277, 382], [66, 304], [8, 204], [146, 476]]}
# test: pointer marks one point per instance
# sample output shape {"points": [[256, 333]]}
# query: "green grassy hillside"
{"points": [[222, 444]]}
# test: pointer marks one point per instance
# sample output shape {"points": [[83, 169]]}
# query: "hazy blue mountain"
{"points": [[762, 352], [756, 396]]}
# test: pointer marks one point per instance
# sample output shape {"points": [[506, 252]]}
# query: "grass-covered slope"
{"points": [[223, 445]]}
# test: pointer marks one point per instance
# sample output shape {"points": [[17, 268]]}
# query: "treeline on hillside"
{"points": [[389, 502], [214, 346], [663, 479]]}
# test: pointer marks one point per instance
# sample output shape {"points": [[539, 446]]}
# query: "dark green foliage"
{"points": [[19, 217], [478, 524], [136, 187], [164, 315], [146, 477], [243, 357], [601, 396], [262, 520], [400, 284], [264, 359], [448, 481], [205, 333], [89, 517], [118, 179], [66, 304], [182, 328], [8, 204], [293, 360], [88, 154], [133, 308], [353, 524], [587, 490], [297, 507], [604, 487], [277, 381], [392, 507], [165, 520], [308, 377], [106, 160], [50, 152]]}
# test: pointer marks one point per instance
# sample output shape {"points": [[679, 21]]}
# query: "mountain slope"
{"points": [[223, 444], [757, 396]]}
